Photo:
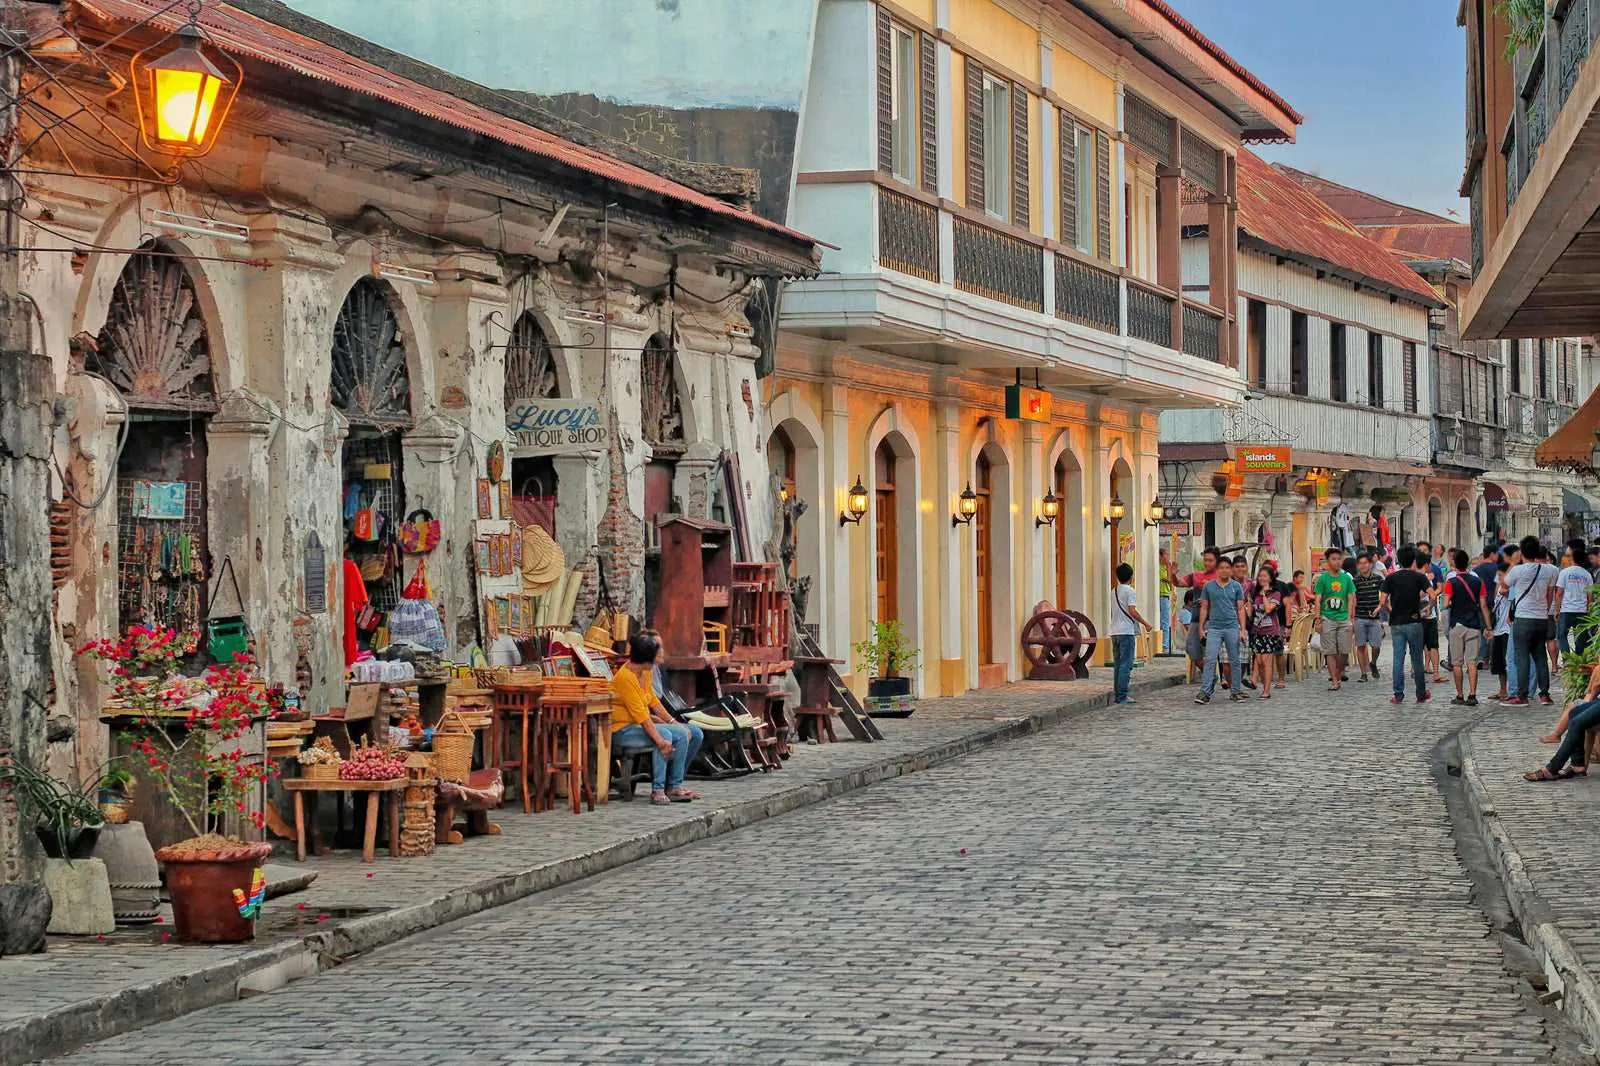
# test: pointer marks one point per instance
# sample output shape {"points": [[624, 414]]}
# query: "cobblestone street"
{"points": [[1273, 882]]}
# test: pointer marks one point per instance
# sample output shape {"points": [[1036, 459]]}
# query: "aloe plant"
{"points": [[56, 807]]}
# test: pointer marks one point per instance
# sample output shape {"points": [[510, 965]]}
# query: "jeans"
{"points": [[1584, 717], [666, 771], [1166, 624], [1408, 637], [1564, 626], [1528, 636], [1216, 640], [1122, 665]]}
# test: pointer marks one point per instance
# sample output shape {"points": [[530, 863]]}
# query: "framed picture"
{"points": [[517, 622], [483, 555], [502, 607], [516, 546], [563, 666], [505, 499], [485, 498]]}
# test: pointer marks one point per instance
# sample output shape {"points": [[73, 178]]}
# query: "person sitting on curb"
{"points": [[637, 717], [1578, 720]]}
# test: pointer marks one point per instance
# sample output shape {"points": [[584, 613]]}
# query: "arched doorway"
{"points": [[1436, 531], [794, 462], [1119, 545], [1067, 484], [661, 423], [983, 552], [155, 350], [1466, 536], [992, 566], [886, 533], [370, 384], [530, 375]]}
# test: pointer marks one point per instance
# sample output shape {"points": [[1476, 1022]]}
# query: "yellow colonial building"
{"points": [[1000, 186]]}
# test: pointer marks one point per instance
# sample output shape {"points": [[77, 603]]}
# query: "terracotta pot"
{"points": [[201, 887]]}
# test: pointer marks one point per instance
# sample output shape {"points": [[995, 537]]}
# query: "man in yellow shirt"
{"points": [[637, 717]]}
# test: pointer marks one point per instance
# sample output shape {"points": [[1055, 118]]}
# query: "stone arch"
{"points": [[994, 620], [1466, 535], [537, 297], [1436, 530], [900, 438], [406, 301], [804, 434], [1121, 484], [1068, 566], [662, 348]]}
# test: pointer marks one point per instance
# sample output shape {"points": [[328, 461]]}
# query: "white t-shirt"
{"points": [[1122, 624], [1528, 585], [1575, 582]]}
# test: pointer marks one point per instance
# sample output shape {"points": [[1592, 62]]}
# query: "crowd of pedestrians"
{"points": [[1513, 612]]}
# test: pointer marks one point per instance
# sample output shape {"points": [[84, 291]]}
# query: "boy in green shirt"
{"points": [[1333, 592]]}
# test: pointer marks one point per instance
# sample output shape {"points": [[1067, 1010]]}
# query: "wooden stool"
{"points": [[516, 713], [562, 749], [631, 765], [821, 719], [477, 823]]}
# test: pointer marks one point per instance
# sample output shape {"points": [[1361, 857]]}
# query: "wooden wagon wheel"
{"points": [[1056, 643]]}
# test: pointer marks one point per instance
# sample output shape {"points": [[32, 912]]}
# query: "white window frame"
{"points": [[905, 115], [1087, 176], [997, 147]]}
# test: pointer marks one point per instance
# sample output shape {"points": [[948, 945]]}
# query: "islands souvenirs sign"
{"points": [[1263, 459], [555, 427]]}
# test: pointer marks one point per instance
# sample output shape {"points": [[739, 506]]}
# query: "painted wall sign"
{"points": [[165, 500], [314, 565], [1264, 459], [554, 427], [1027, 405]]}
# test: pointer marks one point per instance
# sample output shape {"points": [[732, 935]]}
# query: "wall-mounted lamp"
{"points": [[855, 504], [966, 507], [785, 493], [1158, 513], [1049, 509], [1116, 510]]}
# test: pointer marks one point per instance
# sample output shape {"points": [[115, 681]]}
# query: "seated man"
{"points": [[637, 717]]}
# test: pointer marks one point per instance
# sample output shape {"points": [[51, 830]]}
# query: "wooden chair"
{"points": [[516, 716], [561, 748], [1298, 648]]}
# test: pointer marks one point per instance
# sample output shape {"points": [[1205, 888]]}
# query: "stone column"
{"points": [[945, 462], [238, 465]]}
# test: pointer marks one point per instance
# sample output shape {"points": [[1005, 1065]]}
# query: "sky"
{"points": [[1381, 84]]}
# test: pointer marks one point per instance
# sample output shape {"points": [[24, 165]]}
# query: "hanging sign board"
{"points": [[1263, 459], [555, 427], [1027, 405], [1175, 527], [165, 500]]}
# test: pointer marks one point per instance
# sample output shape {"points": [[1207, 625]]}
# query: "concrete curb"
{"points": [[67, 1028], [1580, 993]]}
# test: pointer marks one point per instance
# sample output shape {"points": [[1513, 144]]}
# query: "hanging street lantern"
{"points": [[184, 87]]}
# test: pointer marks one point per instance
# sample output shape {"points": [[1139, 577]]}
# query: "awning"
{"points": [[1576, 503], [1572, 446], [1501, 498], [1199, 452]]}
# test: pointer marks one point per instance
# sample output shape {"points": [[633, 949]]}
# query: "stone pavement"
{"points": [[1269, 882], [82, 989], [1544, 838]]}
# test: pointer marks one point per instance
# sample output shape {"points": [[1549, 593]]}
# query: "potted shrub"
{"points": [[887, 658], [116, 794], [67, 821], [188, 739]]}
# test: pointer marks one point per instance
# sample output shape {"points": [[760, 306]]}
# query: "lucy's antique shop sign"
{"points": [[555, 427]]}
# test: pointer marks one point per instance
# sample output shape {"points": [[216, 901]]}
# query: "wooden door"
{"points": [[982, 538], [887, 536], [1060, 530]]}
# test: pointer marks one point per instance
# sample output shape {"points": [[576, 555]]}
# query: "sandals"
{"points": [[1543, 774], [660, 799], [682, 795]]}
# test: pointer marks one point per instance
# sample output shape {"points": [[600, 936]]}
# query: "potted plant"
{"points": [[886, 657], [189, 740], [67, 822], [116, 794]]}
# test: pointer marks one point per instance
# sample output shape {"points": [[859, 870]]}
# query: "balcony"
{"points": [[1536, 274], [923, 278], [1467, 444], [1529, 419]]}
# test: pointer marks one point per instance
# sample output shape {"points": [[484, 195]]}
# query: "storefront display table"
{"points": [[376, 792]]}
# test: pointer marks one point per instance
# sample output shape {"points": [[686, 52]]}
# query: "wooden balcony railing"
{"points": [[1202, 332], [908, 235], [1088, 295], [998, 265], [1149, 314]]}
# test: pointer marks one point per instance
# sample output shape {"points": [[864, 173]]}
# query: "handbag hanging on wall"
{"points": [[227, 635], [419, 533]]}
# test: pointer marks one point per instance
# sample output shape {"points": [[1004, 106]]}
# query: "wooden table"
{"points": [[375, 791]]}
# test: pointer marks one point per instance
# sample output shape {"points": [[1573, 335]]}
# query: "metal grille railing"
{"points": [[1001, 267], [1087, 294], [1513, 173], [1148, 127], [908, 235], [1199, 161], [1149, 315], [1574, 47], [1201, 330], [1477, 222], [1537, 107]]}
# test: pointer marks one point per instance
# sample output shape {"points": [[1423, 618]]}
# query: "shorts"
{"points": [[1369, 633], [1466, 644], [1430, 634], [1497, 654], [1338, 637], [1266, 645]]}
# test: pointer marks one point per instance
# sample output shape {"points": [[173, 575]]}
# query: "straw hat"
{"points": [[543, 561]]}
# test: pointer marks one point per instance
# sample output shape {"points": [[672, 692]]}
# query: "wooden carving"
{"points": [[662, 415], [530, 363], [153, 347], [370, 382]]}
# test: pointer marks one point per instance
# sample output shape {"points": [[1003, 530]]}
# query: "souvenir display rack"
{"points": [[161, 562]]}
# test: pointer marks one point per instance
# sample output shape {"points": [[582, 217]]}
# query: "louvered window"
{"points": [[997, 147], [1086, 181], [1409, 370], [908, 129], [1085, 189]]}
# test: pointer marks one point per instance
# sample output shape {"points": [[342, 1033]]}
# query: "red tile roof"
{"points": [[1280, 212], [246, 35], [1422, 234]]}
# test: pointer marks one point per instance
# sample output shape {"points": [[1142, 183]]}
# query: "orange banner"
{"points": [[1263, 458]]}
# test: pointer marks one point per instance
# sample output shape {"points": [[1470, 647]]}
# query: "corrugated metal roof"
{"points": [[245, 35], [1405, 229], [1278, 211]]}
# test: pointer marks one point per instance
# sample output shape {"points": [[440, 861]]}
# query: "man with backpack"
{"points": [[1468, 617]]}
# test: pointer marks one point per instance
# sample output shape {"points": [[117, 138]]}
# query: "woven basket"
{"points": [[319, 771]]}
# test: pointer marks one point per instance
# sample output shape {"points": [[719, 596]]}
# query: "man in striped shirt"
{"points": [[1369, 628]]}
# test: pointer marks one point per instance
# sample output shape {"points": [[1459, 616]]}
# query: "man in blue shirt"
{"points": [[1222, 620]]}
